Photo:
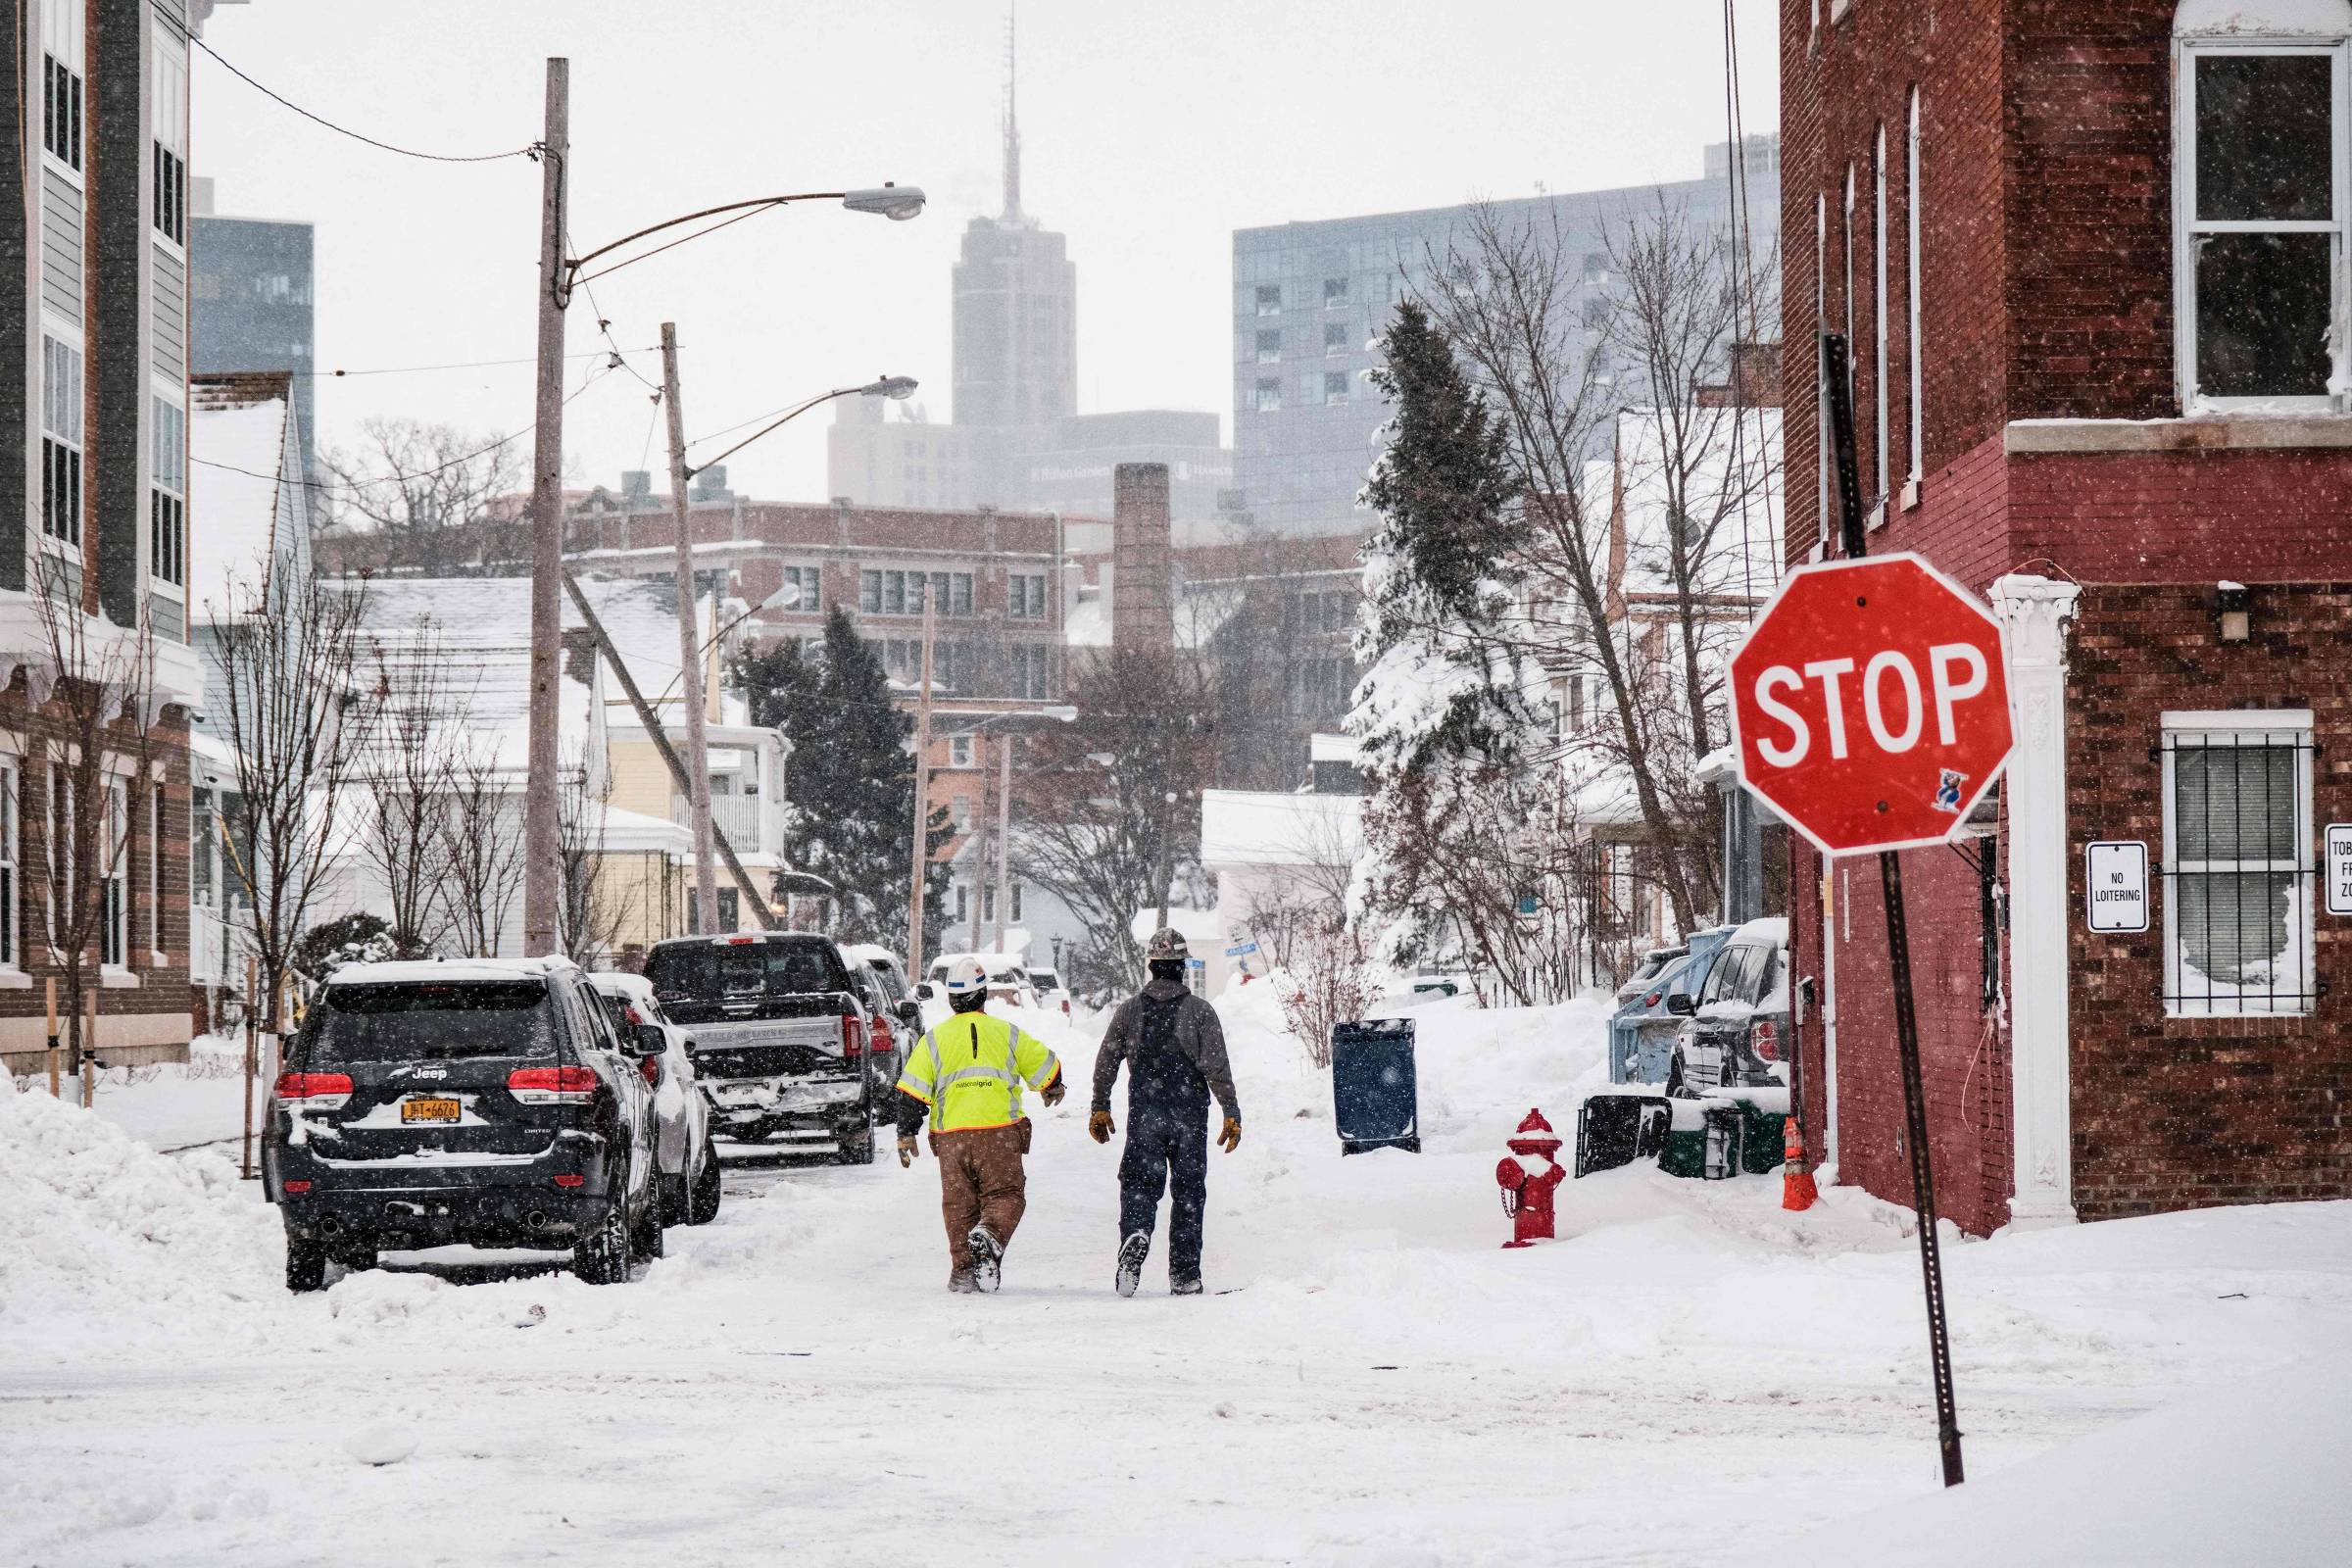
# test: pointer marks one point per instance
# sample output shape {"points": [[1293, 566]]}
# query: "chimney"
{"points": [[1142, 608], [710, 483], [1753, 382], [636, 485]]}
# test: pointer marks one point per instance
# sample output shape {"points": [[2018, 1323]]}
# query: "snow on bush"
{"points": [[102, 1239]]}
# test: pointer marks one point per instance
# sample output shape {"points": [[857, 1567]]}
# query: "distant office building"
{"points": [[1017, 442], [252, 281], [1310, 297]]}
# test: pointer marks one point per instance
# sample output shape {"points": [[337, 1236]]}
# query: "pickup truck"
{"points": [[780, 1033]]}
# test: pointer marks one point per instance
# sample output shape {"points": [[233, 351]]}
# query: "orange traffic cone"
{"points": [[1797, 1192]]}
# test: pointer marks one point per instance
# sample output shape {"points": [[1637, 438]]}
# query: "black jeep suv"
{"points": [[485, 1102]]}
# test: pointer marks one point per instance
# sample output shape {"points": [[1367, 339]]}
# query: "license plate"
{"points": [[429, 1110]]}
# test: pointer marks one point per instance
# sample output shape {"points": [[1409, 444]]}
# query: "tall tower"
{"points": [[1015, 307]]}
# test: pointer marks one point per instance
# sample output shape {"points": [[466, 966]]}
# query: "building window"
{"points": [[167, 504], [2260, 263], [2237, 866], [1025, 596], [114, 915], [60, 441], [1032, 670], [1596, 312], [1911, 205], [1334, 293], [988, 902], [1335, 339], [155, 872], [1269, 396], [1821, 398], [960, 750], [1596, 268], [963, 907], [902, 593], [1269, 299], [803, 589], [10, 895], [1852, 358], [1269, 348], [168, 74], [171, 195], [730, 908], [61, 81], [959, 812], [1878, 318], [1335, 387]]}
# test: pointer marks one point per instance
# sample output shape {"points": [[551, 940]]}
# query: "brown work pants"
{"points": [[981, 1182]]}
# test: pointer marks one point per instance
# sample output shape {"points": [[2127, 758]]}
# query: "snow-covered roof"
{"points": [[1331, 749], [1254, 828], [626, 832], [1088, 624], [236, 474]]}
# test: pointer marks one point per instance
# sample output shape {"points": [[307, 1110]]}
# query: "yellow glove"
{"points": [[906, 1152], [1051, 1094], [1098, 1127], [1231, 1138]]}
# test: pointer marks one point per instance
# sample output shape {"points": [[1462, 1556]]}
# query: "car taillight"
{"points": [[298, 1186], [552, 1086], [853, 1035], [1652, 999], [651, 1068], [321, 1091], [1065, 1006], [1766, 1039], [884, 1036], [571, 1181]]}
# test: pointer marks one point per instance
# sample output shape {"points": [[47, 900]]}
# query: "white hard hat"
{"points": [[966, 976]]}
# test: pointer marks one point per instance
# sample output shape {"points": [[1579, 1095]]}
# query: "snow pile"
{"points": [[103, 1239]]}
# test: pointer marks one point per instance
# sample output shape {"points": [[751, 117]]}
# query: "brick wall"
{"points": [[2182, 1112]]}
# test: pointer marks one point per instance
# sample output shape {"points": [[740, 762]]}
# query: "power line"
{"points": [[532, 151], [473, 364]]}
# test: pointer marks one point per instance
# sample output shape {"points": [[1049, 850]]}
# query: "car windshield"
{"points": [[709, 973], [419, 1022], [885, 980], [1045, 978]]}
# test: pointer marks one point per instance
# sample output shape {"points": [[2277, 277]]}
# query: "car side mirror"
{"points": [[1681, 1003], [643, 1040], [925, 991], [910, 1015]]}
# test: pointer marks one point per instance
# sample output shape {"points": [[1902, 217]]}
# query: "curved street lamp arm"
{"points": [[822, 396], [573, 265]]}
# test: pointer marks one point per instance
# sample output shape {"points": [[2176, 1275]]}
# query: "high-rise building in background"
{"points": [[252, 287], [1308, 298], [1017, 441]]}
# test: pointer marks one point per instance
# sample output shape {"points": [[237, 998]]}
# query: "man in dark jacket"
{"points": [[1174, 1050]]}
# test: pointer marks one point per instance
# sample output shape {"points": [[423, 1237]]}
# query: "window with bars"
{"points": [[2238, 874], [61, 440]]}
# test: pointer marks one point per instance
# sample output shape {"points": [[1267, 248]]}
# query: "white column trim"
{"points": [[2035, 613]]}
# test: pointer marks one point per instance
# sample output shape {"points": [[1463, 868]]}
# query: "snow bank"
{"points": [[104, 1240]]}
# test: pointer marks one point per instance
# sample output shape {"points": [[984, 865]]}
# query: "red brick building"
{"points": [[2093, 260]]}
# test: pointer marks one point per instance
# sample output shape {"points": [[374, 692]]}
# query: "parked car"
{"points": [[781, 1030], [1007, 982], [1651, 966], [1736, 1026], [896, 987], [1641, 1032], [885, 1050], [484, 1102], [1052, 993], [688, 1160]]}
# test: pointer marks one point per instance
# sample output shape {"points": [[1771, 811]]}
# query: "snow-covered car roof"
{"points": [[621, 983], [869, 953], [1772, 929], [428, 971]]}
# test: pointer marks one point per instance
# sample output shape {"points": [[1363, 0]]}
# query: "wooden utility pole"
{"points": [[89, 1054], [919, 882], [541, 845], [1004, 835], [667, 752], [252, 1056], [690, 649], [53, 1052]]}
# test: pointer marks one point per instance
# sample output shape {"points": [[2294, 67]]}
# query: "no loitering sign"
{"points": [[2115, 886]]}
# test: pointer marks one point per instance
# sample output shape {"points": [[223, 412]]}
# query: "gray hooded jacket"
{"points": [[1200, 1037]]}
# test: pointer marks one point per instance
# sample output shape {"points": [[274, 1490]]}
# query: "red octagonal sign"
{"points": [[1869, 704]]}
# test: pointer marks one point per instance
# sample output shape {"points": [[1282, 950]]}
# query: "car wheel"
{"points": [[305, 1264], [674, 1198], [645, 1239], [354, 1260], [601, 1256], [702, 1203], [859, 1151], [1675, 1088]]}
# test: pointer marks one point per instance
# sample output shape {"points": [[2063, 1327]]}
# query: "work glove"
{"points": [[906, 1152], [1231, 1138], [1098, 1127], [1051, 1094]]}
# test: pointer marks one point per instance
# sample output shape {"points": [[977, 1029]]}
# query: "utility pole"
{"points": [[540, 806], [978, 839], [698, 749], [922, 802], [1003, 844]]}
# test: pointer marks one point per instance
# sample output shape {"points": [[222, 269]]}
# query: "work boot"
{"points": [[1132, 1252], [962, 1282], [988, 1259], [1190, 1287]]}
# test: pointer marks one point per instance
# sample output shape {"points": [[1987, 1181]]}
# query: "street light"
{"points": [[897, 388]]}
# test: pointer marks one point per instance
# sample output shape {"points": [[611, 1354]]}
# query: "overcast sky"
{"points": [[1151, 130]]}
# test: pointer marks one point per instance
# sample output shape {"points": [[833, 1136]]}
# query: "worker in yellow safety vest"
{"points": [[965, 1078]]}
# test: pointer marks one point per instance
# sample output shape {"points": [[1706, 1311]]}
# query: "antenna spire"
{"points": [[1013, 128]]}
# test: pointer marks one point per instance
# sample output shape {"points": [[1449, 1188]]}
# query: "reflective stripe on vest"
{"points": [[983, 1109]]}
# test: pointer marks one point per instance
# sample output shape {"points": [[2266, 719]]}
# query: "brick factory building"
{"points": [[2091, 259]]}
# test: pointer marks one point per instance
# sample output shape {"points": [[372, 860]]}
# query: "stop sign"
{"points": [[1869, 704]]}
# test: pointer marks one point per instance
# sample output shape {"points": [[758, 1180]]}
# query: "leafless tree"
{"points": [[96, 717], [295, 716], [443, 498], [483, 849], [406, 772], [592, 909]]}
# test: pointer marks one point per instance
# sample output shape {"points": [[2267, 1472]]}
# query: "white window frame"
{"points": [[61, 40], [12, 877], [155, 955], [168, 484], [960, 750], [1880, 445], [2187, 227], [1821, 388], [168, 72], [1852, 359], [2229, 726], [1917, 333], [114, 908], [73, 440]]}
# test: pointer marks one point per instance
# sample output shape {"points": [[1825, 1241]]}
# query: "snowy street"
{"points": [[1382, 1385]]}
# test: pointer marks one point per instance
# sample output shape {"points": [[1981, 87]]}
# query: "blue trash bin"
{"points": [[1374, 1090]]}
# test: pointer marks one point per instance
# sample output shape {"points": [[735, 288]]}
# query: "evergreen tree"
{"points": [[850, 780]]}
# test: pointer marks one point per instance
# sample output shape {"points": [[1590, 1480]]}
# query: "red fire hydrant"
{"points": [[1528, 1177]]}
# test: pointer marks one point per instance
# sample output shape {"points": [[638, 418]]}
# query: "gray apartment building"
{"points": [[250, 287], [1308, 298]]}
